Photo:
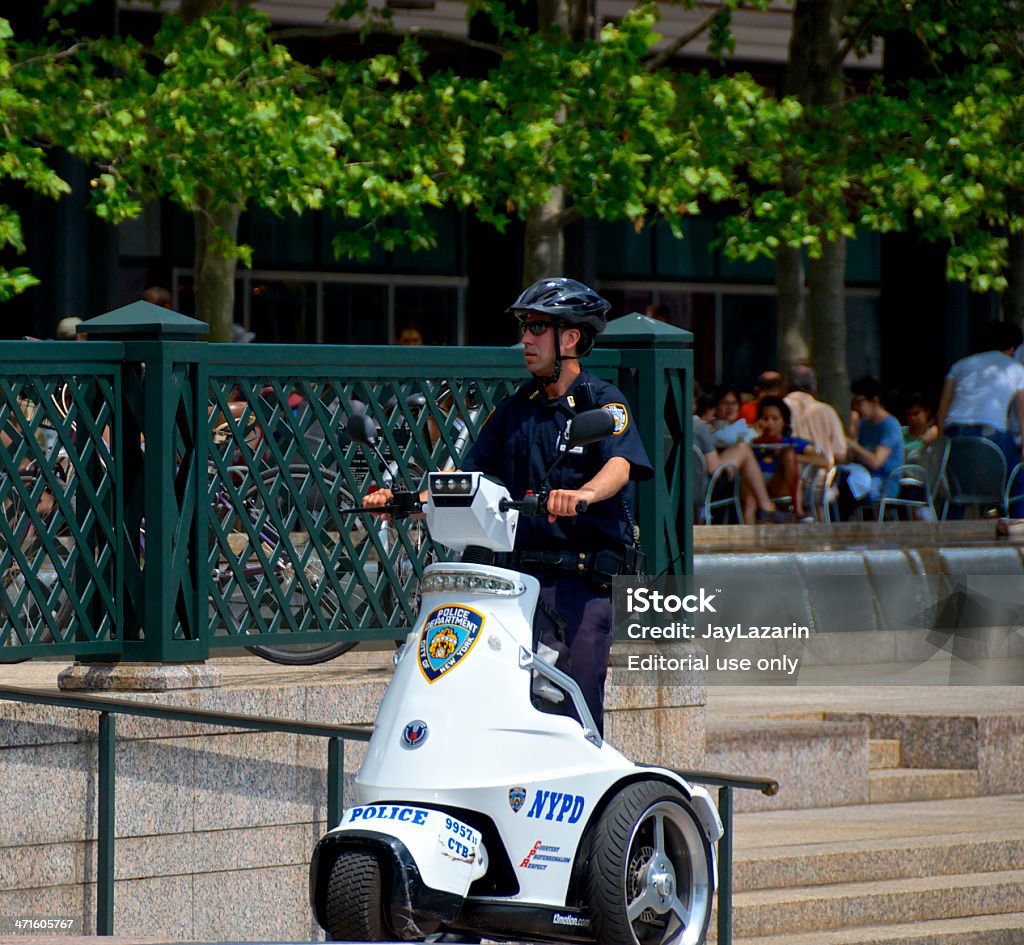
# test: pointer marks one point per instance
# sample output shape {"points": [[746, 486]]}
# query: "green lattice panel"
{"points": [[58, 514]]}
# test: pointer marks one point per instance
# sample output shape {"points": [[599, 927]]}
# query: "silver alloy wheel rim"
{"points": [[656, 867]]}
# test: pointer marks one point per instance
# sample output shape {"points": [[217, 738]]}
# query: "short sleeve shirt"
{"points": [[886, 432], [702, 438], [519, 441], [984, 386], [768, 459]]}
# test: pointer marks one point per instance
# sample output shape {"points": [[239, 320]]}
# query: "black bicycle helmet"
{"points": [[564, 299]]}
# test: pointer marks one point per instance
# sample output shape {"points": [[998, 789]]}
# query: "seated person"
{"points": [[920, 429], [779, 453], [769, 384], [728, 427], [705, 408], [757, 506], [878, 447]]}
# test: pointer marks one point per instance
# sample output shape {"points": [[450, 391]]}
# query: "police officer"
{"points": [[573, 556]]}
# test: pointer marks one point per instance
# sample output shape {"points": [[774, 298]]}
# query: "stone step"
{"points": [[864, 860], [845, 905], [883, 753], [895, 785], [1003, 929], [815, 762]]}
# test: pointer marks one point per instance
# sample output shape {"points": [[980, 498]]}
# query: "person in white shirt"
{"points": [[982, 391], [983, 394], [813, 419]]}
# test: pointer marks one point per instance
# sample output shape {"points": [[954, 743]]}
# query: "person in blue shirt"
{"points": [[878, 445]]}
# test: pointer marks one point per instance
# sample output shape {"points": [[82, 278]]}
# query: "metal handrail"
{"points": [[109, 709], [726, 784]]}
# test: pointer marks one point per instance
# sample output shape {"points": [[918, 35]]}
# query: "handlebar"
{"points": [[537, 504], [402, 505]]}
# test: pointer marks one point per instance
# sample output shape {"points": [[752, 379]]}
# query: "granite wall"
{"points": [[215, 827]]}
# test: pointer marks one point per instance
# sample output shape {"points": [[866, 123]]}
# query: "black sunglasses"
{"points": [[535, 328]]}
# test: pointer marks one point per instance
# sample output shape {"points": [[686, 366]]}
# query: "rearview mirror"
{"points": [[361, 429], [591, 426]]}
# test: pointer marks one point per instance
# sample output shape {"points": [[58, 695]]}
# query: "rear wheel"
{"points": [[300, 579], [354, 907], [650, 878]]}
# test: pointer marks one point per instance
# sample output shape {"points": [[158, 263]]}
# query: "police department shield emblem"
{"points": [[516, 798], [620, 415], [448, 635]]}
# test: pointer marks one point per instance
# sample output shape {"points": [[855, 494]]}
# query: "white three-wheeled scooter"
{"points": [[479, 814]]}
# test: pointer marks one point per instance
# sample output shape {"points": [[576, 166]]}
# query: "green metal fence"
{"points": [[61, 498], [163, 497]]}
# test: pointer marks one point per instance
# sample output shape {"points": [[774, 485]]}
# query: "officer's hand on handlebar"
{"points": [[568, 502], [393, 504], [377, 498]]}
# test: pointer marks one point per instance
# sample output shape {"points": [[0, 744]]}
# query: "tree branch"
{"points": [[852, 41], [564, 217], [658, 60], [51, 56]]}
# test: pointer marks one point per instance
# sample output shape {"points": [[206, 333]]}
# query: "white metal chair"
{"points": [[1010, 497], [907, 487], [719, 490], [934, 458]]}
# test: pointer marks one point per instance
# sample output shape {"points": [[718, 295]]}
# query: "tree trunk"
{"points": [[814, 73], [828, 324], [1013, 297], [793, 327], [544, 241], [214, 272], [213, 279]]}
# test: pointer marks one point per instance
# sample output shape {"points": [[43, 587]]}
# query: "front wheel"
{"points": [[354, 908], [650, 878]]}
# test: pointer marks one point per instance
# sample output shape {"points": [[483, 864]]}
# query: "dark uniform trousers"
{"points": [[587, 612]]}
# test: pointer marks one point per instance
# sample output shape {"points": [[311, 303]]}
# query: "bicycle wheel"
{"points": [[300, 579]]}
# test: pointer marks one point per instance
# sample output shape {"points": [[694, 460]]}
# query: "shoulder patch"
{"points": [[620, 415]]}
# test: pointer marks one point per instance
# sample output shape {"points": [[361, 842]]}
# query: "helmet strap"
{"points": [[556, 372]]}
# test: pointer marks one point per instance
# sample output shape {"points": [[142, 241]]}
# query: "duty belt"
{"points": [[600, 566]]}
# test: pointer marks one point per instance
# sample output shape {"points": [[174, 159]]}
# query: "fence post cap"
{"points": [[144, 320], [639, 331]]}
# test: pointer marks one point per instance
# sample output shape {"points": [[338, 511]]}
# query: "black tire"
{"points": [[650, 879], [285, 589], [354, 906]]}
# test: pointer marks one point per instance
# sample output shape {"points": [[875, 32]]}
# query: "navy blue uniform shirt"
{"points": [[519, 441]]}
